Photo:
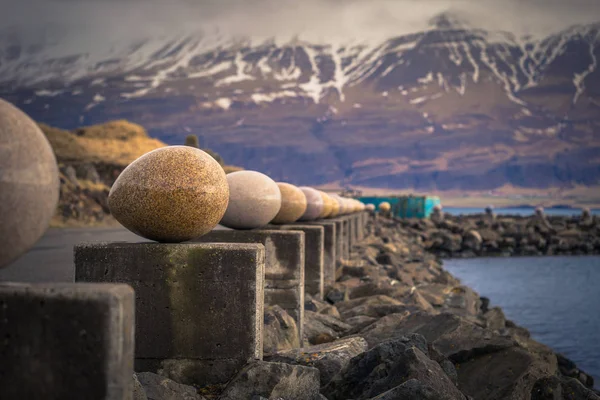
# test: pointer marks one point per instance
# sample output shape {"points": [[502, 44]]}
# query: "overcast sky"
{"points": [[311, 19]]}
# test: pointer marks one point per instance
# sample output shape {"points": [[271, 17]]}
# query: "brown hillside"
{"points": [[116, 142]]}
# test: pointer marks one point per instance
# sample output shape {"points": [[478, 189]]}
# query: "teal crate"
{"points": [[406, 206]]}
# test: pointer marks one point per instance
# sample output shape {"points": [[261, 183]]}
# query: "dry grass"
{"points": [[232, 168], [98, 187], [116, 142]]}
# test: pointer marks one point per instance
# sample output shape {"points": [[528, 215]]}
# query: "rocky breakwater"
{"points": [[505, 235], [396, 325]]}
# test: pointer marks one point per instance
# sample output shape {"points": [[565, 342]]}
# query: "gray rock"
{"points": [[345, 307], [88, 172], [452, 336], [279, 331], [138, 390], [273, 381], [328, 358], [389, 365], [513, 373], [158, 387], [316, 325], [359, 322], [495, 319], [70, 174], [412, 389]]}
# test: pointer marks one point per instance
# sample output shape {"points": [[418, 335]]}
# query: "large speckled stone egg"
{"points": [[327, 205], [29, 183], [385, 206], [172, 194], [335, 207], [347, 206], [340, 203], [314, 202], [254, 200], [293, 204]]}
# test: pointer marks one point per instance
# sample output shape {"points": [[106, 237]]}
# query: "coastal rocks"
{"points": [[314, 204], [293, 204], [569, 369], [400, 366], [328, 358], [508, 374], [475, 235], [273, 380], [254, 200], [373, 306], [451, 335], [279, 331], [172, 194], [29, 183], [156, 387], [321, 328]]}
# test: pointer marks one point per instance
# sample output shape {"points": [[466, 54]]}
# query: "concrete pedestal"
{"points": [[284, 266], [66, 341], [313, 256], [357, 227], [342, 232], [329, 249], [198, 307]]}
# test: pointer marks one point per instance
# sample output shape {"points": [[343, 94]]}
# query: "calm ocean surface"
{"points": [[556, 298]]}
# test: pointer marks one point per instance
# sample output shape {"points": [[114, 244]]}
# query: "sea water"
{"points": [[556, 298]]}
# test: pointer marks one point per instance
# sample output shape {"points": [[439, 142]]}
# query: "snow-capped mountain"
{"points": [[445, 107]]}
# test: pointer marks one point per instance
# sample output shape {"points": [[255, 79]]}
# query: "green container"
{"points": [[406, 206]]}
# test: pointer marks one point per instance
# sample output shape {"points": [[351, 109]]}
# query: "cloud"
{"points": [[109, 21]]}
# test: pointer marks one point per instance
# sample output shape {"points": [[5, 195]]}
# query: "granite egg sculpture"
{"points": [[335, 207], [29, 183], [293, 204], [327, 205], [340, 205], [385, 206], [347, 205], [314, 205], [171, 194], [254, 200]]}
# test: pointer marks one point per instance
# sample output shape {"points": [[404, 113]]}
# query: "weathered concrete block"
{"points": [[357, 227], [199, 307], [329, 249], [284, 266], [314, 239], [339, 243], [342, 226], [66, 341], [353, 229]]}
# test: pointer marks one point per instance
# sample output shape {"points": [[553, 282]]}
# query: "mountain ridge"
{"points": [[451, 107]]}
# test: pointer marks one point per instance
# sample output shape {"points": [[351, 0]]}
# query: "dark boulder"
{"points": [[273, 380], [389, 365], [328, 358]]}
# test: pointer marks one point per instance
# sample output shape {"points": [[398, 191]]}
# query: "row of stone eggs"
{"points": [[178, 193]]}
